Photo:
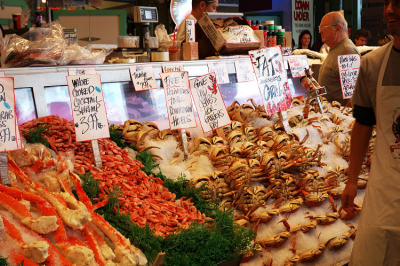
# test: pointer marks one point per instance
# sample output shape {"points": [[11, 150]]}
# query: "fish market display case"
{"points": [[42, 91]]}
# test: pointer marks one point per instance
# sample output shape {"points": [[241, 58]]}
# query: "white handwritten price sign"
{"points": [[298, 64], [286, 51], [88, 109], [143, 77], [9, 131], [271, 78], [244, 71], [209, 104], [179, 102], [349, 66], [190, 32], [220, 71], [172, 68]]}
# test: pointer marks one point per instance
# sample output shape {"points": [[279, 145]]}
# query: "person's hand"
{"points": [[348, 209]]}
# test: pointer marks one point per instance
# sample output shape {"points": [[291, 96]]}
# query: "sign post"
{"points": [[88, 110], [272, 80], [9, 132], [179, 103]]}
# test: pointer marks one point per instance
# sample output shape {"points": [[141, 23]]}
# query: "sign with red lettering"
{"points": [[302, 17], [178, 99], [209, 104], [271, 78], [349, 66], [297, 64]]}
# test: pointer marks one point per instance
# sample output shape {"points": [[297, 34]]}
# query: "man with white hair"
{"points": [[333, 30]]}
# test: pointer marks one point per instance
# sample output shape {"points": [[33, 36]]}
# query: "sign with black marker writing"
{"points": [[178, 99], [143, 77], [81, 71], [297, 64], [286, 51], [271, 78], [220, 71], [172, 68], [190, 32], [244, 71], [349, 66], [88, 108], [9, 131], [209, 104]]}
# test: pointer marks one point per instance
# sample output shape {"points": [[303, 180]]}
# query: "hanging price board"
{"points": [[349, 66], [244, 71], [143, 77], [179, 102], [220, 71], [209, 104], [172, 68], [271, 78], [297, 64], [88, 109]]}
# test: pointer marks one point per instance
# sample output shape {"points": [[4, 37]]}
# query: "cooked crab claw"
{"points": [[41, 225]]}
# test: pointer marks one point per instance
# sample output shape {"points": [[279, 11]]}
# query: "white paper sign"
{"points": [[209, 103], [143, 77], [297, 64], [286, 51], [190, 32], [271, 78], [172, 68], [9, 131], [179, 102], [220, 71], [349, 66], [244, 71], [88, 109]]}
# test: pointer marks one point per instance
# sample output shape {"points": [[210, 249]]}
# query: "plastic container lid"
{"points": [[280, 33], [270, 27], [269, 22]]}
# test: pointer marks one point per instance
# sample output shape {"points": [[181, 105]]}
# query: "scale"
{"points": [[144, 15]]}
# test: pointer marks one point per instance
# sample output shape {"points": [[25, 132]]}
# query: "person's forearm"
{"points": [[360, 136]]}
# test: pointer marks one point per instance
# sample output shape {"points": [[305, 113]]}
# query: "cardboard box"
{"points": [[190, 51], [218, 41]]}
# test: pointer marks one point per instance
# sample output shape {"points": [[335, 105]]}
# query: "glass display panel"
{"points": [[25, 105]]}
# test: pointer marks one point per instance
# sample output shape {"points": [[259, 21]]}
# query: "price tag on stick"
{"points": [[179, 103], [209, 103], [171, 68], [271, 78], [9, 132], [88, 110]]}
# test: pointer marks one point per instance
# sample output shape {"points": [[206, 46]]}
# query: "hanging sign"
{"points": [[271, 78], [172, 68], [190, 32], [302, 17], [9, 132], [349, 66], [209, 104], [244, 71], [88, 109], [178, 100], [297, 64], [143, 77], [220, 71]]}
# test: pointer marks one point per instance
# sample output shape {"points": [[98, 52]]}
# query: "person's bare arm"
{"points": [[360, 136]]}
